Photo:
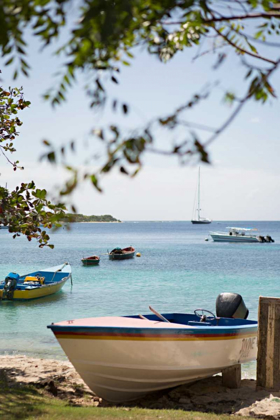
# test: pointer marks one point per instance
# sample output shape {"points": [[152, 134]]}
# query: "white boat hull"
{"points": [[121, 368], [232, 238]]}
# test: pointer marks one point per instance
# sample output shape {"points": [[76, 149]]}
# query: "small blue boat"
{"points": [[36, 284]]}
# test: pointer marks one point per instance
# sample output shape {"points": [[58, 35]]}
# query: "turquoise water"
{"points": [[178, 271]]}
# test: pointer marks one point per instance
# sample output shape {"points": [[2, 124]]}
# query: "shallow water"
{"points": [[178, 271]]}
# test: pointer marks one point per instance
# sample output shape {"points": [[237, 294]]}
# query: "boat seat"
{"points": [[198, 323], [34, 279]]}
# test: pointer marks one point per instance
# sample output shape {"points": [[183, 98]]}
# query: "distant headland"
{"points": [[81, 218]]}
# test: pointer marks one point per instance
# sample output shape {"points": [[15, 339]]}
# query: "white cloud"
{"points": [[255, 120]]}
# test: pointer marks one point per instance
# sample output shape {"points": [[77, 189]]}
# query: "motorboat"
{"points": [[34, 285], [122, 253], [198, 219], [236, 234], [122, 358]]}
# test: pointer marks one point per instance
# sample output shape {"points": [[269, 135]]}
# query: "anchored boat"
{"points": [[35, 285], [124, 358], [198, 220], [122, 253], [93, 260], [236, 234]]}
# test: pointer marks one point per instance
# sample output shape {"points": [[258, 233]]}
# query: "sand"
{"points": [[59, 379]]}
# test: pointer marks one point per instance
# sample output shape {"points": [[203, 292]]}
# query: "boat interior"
{"points": [[122, 250], [199, 319], [94, 257]]}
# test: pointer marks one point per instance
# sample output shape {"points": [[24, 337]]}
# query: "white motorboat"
{"points": [[198, 219], [236, 234], [124, 358]]}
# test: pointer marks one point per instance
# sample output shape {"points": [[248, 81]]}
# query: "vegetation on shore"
{"points": [[74, 218]]}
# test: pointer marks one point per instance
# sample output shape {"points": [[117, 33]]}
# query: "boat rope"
{"points": [[61, 268]]}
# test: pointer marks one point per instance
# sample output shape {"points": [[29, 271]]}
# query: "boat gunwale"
{"points": [[159, 327]]}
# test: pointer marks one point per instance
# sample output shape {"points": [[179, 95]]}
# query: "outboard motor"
{"points": [[231, 305], [269, 239], [10, 285]]}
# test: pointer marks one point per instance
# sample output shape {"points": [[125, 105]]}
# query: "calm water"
{"points": [[178, 271]]}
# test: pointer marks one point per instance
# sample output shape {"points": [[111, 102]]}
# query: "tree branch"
{"points": [[238, 108], [230, 18], [242, 50]]}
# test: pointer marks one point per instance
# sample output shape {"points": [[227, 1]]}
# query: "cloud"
{"points": [[255, 120]]}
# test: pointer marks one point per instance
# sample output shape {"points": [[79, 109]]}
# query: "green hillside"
{"points": [[78, 218]]}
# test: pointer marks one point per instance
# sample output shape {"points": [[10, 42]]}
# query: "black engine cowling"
{"points": [[231, 305]]}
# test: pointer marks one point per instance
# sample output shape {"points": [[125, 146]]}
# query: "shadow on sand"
{"points": [[17, 402], [206, 396]]}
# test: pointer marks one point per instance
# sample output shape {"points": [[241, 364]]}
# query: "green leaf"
{"points": [[125, 108], [9, 61]]}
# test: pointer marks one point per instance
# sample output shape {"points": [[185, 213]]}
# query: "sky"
{"points": [[242, 182]]}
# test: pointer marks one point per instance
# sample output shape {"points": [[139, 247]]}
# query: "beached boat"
{"points": [[93, 260], [124, 358], [236, 234], [36, 284], [198, 220], [122, 253]]}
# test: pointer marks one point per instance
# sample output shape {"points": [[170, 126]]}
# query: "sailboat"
{"points": [[199, 220]]}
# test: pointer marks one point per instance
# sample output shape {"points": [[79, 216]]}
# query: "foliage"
{"points": [[26, 209], [102, 40]]}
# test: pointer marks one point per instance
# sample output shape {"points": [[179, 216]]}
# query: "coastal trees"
{"points": [[103, 37], [26, 209]]}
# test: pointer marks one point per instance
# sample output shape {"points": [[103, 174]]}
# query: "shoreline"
{"points": [[57, 378], [95, 222]]}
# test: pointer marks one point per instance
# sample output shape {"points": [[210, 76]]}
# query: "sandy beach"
{"points": [[60, 380]]}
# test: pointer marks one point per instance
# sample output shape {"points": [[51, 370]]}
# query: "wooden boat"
{"points": [[35, 285], [124, 358], [122, 254], [93, 260]]}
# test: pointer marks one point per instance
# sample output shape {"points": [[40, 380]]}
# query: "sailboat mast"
{"points": [[198, 195]]}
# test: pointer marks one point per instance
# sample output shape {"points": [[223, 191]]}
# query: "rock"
{"points": [[268, 408]]}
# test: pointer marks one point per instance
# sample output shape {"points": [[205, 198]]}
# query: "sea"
{"points": [[178, 271]]}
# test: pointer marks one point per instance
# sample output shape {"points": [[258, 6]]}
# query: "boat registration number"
{"points": [[247, 345]]}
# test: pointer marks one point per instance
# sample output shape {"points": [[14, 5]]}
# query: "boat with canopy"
{"points": [[122, 358], [237, 234], [36, 284]]}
